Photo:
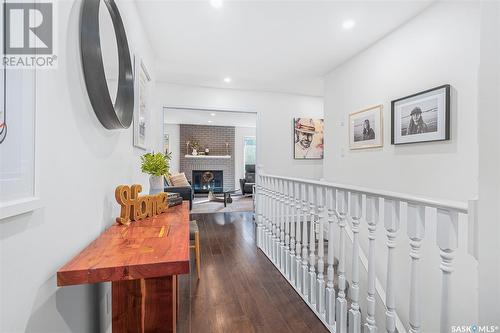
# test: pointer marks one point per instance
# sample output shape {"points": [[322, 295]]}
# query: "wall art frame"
{"points": [[366, 128], [421, 117], [308, 138], [142, 82]]}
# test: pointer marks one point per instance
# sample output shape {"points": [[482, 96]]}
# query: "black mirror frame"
{"points": [[122, 113]]}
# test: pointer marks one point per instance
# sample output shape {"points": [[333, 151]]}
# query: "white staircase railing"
{"points": [[296, 218]]}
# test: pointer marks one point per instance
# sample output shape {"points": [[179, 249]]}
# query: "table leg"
{"points": [[127, 303], [147, 305]]}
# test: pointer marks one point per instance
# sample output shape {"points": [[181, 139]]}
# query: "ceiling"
{"points": [[285, 46], [211, 118]]}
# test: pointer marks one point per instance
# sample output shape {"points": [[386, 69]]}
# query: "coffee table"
{"points": [[227, 197]]}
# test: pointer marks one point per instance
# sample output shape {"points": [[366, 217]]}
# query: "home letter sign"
{"points": [[135, 207]]}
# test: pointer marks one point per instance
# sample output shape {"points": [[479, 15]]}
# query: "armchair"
{"points": [[248, 182]]}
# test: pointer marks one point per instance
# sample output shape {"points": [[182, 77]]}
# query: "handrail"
{"points": [[461, 207]]}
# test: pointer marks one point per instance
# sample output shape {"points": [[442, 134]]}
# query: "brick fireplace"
{"points": [[214, 138], [205, 180]]}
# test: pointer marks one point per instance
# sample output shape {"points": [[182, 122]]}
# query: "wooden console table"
{"points": [[142, 261]]}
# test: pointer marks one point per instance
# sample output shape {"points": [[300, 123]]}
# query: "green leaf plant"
{"points": [[156, 164]]}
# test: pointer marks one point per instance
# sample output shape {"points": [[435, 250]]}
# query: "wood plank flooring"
{"points": [[240, 290]]}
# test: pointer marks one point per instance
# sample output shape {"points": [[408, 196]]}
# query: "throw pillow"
{"points": [[179, 180]]}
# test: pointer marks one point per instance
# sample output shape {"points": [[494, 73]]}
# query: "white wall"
{"points": [[433, 49], [239, 167], [275, 136], [439, 46], [489, 165], [173, 131], [80, 163]]}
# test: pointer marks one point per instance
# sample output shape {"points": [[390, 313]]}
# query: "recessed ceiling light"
{"points": [[212, 114], [209, 121], [348, 24], [227, 79], [216, 3]]}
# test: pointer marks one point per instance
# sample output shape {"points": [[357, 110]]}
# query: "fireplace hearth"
{"points": [[205, 180]]}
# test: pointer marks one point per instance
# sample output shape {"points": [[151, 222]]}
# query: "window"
{"points": [[249, 149]]}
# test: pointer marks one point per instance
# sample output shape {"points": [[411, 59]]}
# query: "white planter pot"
{"points": [[155, 184]]}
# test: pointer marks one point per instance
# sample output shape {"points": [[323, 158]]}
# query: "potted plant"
{"points": [[195, 146], [157, 166]]}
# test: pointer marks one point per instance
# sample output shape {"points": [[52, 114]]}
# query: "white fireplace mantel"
{"points": [[208, 156]]}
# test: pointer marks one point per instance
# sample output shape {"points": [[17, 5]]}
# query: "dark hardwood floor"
{"points": [[240, 290]]}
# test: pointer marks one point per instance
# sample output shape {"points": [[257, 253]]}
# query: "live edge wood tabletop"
{"points": [[142, 260]]}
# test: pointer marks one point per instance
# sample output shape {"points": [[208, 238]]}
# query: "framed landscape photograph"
{"points": [[308, 139], [366, 128], [421, 117]]}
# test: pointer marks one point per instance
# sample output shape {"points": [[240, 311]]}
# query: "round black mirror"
{"points": [[109, 77]]}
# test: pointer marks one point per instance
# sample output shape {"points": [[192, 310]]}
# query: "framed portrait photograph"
{"points": [[366, 128], [308, 139], [421, 117]]}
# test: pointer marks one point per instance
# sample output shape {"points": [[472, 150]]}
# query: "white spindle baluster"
{"points": [[266, 215], [330, 289], [298, 233], [305, 256], [258, 211], [281, 248], [320, 287], [372, 217], [391, 222], [416, 231], [277, 223], [355, 213], [286, 255], [341, 305], [312, 245], [447, 240], [291, 191], [269, 218], [275, 204]]}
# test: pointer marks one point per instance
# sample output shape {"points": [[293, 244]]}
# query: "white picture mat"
{"points": [[372, 113], [440, 134]]}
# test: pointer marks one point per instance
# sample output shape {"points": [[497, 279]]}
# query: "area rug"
{"points": [[239, 204]]}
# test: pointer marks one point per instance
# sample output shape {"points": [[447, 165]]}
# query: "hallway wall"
{"points": [[79, 165], [276, 110], [440, 46]]}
